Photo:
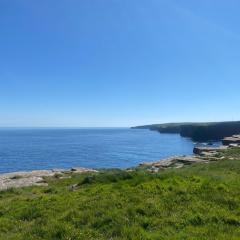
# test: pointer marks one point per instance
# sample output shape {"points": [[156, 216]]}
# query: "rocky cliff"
{"points": [[198, 131]]}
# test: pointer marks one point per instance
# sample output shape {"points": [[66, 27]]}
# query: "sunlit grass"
{"points": [[201, 201]]}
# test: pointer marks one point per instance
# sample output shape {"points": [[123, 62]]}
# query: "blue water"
{"points": [[29, 149]]}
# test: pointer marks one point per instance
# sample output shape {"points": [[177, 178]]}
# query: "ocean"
{"points": [[48, 148]]}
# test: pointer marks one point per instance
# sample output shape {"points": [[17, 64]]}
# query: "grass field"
{"points": [[200, 201]]}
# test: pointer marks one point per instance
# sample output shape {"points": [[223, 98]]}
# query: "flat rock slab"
{"points": [[177, 160], [24, 179], [21, 182], [82, 170], [235, 139], [200, 150], [35, 173], [34, 178]]}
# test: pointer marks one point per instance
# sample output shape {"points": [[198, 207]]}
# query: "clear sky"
{"points": [[91, 63]]}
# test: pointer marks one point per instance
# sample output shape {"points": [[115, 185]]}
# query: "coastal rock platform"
{"points": [[34, 178], [176, 161], [208, 150], [201, 154], [235, 139]]}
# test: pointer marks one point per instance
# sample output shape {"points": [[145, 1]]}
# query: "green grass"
{"points": [[201, 201]]}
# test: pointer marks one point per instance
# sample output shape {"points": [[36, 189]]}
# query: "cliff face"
{"points": [[165, 127], [199, 131], [215, 131], [173, 129]]}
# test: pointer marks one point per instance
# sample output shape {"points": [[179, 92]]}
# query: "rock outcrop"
{"points": [[175, 161], [235, 139], [202, 154], [208, 151]]}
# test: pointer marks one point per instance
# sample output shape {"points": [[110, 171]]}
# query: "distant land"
{"points": [[204, 131]]}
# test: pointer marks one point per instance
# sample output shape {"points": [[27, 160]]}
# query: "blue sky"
{"points": [[118, 62]]}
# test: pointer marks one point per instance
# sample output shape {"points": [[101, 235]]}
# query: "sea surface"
{"points": [[30, 149]]}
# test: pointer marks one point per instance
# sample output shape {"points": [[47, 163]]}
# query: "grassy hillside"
{"points": [[201, 201]]}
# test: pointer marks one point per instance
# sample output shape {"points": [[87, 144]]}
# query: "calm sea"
{"points": [[29, 149]]}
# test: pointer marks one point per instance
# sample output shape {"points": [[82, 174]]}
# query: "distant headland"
{"points": [[205, 131]]}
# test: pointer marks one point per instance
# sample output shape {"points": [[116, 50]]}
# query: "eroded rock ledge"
{"points": [[201, 154], [234, 140]]}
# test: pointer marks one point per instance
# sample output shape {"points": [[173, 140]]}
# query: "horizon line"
{"points": [[148, 124]]}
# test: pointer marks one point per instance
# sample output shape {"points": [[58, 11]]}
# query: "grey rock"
{"points": [[204, 150], [235, 139], [82, 170], [34, 178], [176, 161]]}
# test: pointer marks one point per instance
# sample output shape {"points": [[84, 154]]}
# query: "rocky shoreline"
{"points": [[36, 177], [200, 154]]}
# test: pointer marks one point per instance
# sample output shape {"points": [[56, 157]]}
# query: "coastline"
{"points": [[172, 195], [27, 150], [37, 177]]}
